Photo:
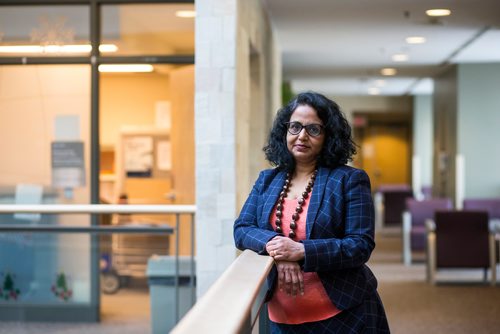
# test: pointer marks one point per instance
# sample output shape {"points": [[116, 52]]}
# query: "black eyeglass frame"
{"points": [[307, 127]]}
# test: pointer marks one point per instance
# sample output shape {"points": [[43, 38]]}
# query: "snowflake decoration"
{"points": [[52, 32]]}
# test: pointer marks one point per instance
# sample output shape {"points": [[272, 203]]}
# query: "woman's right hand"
{"points": [[290, 278]]}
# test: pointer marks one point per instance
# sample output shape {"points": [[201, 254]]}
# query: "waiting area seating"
{"points": [[414, 232], [491, 205], [460, 239], [390, 202]]}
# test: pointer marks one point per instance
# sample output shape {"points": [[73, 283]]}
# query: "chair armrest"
{"points": [[406, 217], [431, 251], [494, 226], [430, 225], [406, 238], [378, 200]]}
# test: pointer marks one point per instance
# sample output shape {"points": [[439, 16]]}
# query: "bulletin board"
{"points": [[144, 163]]}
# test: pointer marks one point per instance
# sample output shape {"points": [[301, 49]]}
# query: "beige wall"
{"points": [[30, 99], [234, 88], [351, 104], [258, 80], [129, 99], [445, 133]]}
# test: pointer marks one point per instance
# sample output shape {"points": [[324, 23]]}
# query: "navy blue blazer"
{"points": [[339, 230]]}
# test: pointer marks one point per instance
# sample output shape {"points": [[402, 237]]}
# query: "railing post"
{"points": [[193, 292], [177, 267]]}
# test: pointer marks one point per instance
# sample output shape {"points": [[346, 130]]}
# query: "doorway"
{"points": [[385, 147]]}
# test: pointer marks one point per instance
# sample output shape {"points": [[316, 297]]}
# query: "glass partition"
{"points": [[41, 31], [159, 29], [44, 142]]}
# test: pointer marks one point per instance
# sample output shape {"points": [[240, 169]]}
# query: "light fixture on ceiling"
{"points": [[438, 12], [76, 48], [399, 57], [185, 13], [374, 91], [415, 40], [125, 68], [388, 71]]}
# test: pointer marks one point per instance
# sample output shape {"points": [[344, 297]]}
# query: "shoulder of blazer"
{"points": [[267, 176], [343, 172]]}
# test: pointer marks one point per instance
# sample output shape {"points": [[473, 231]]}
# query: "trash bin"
{"points": [[161, 279]]}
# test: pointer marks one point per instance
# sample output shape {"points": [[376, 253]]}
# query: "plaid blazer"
{"points": [[339, 230]]}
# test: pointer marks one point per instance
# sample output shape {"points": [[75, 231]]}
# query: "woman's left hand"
{"points": [[285, 249]]}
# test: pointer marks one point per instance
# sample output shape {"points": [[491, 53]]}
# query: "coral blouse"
{"points": [[314, 305]]}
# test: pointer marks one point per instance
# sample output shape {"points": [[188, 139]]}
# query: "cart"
{"points": [[129, 257]]}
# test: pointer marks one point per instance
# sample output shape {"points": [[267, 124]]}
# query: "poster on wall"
{"points": [[138, 156], [68, 164], [163, 155]]}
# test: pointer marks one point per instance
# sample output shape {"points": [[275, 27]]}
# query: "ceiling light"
{"points": [[400, 57], [373, 91], [438, 12], [415, 40], [125, 68], [388, 71], [77, 48], [185, 13], [379, 83], [108, 48]]}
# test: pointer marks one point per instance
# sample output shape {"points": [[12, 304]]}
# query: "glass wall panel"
{"points": [[166, 29], [44, 145], [147, 141], [39, 31]]}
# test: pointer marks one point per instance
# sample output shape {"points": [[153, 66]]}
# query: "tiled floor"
{"points": [[127, 312]]}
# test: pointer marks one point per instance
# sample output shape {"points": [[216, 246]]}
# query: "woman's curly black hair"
{"points": [[338, 147]]}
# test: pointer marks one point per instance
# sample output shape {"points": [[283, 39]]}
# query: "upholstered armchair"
{"points": [[390, 203], [460, 239], [414, 231], [491, 205]]}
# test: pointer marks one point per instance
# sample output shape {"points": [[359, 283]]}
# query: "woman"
{"points": [[314, 216]]}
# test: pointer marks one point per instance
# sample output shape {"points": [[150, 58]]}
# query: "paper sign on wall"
{"points": [[163, 115], [138, 155], [68, 165], [164, 155]]}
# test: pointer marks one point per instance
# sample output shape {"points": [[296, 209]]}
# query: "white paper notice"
{"points": [[164, 155], [138, 154], [163, 114]]}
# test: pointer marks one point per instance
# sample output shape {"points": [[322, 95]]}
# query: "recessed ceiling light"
{"points": [[388, 71], [400, 57], [373, 91], [185, 13], [77, 48], [125, 68], [415, 40], [438, 12]]}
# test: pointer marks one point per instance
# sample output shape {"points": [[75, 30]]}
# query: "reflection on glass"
{"points": [[43, 107], [166, 29], [45, 31]]}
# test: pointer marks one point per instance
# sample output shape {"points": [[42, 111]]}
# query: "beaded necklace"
{"points": [[298, 209]]}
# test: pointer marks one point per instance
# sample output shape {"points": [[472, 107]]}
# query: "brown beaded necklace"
{"points": [[298, 209]]}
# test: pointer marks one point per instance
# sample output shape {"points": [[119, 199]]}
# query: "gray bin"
{"points": [[161, 278]]}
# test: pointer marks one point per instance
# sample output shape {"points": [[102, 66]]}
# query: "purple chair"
{"points": [[460, 239], [394, 205], [491, 205], [414, 230]]}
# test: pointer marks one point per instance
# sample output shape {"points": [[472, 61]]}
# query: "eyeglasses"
{"points": [[313, 130]]}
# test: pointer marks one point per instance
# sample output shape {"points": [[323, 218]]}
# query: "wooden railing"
{"points": [[233, 302]]}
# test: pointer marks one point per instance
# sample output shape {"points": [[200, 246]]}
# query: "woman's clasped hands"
{"points": [[286, 253]]}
